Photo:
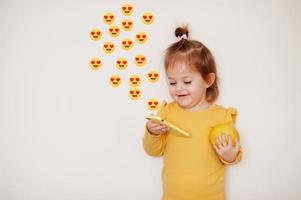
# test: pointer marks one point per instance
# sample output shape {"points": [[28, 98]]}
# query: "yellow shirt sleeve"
{"points": [[154, 145]]}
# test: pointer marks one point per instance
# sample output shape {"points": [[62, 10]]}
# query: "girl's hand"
{"points": [[156, 128], [223, 147]]}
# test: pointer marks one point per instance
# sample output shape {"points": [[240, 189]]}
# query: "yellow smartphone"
{"points": [[174, 129]]}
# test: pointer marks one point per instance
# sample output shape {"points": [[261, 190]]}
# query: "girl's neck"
{"points": [[199, 107]]}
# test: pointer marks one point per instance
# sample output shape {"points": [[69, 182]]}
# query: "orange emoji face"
{"points": [[147, 18], [140, 60], [134, 81], [108, 18], [114, 31], [153, 104], [115, 81], [153, 76], [95, 34], [95, 63], [108, 47], [127, 9], [121, 63], [127, 24], [141, 37], [127, 44], [134, 94]]}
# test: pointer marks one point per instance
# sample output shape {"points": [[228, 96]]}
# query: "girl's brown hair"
{"points": [[193, 54]]}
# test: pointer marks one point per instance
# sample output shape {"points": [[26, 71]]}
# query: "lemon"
{"points": [[227, 129]]}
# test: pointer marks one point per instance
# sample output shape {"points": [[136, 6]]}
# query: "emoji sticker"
{"points": [[127, 24], [108, 18], [114, 31], [127, 44], [127, 9], [153, 104], [134, 81], [95, 34], [121, 63], [140, 60], [95, 63], [134, 94], [108, 47], [147, 18], [153, 76], [115, 81], [141, 37]]}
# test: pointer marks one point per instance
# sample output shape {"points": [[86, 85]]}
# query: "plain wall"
{"points": [[66, 134]]}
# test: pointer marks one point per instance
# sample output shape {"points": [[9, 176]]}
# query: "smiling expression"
{"points": [[153, 76], [134, 94], [114, 31], [127, 24], [95, 63], [147, 18], [152, 104], [141, 37], [140, 60], [108, 18], [115, 80], [186, 86], [108, 47], [121, 63], [134, 80], [127, 44], [127, 9], [95, 34]]}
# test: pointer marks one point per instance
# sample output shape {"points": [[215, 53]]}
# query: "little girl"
{"points": [[193, 169]]}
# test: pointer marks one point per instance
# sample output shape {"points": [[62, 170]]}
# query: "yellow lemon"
{"points": [[227, 129]]}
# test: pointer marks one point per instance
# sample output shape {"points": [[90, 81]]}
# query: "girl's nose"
{"points": [[179, 87]]}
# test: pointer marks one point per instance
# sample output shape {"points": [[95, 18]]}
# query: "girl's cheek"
{"points": [[171, 91]]}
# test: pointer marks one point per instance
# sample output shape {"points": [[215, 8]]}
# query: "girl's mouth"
{"points": [[182, 95]]}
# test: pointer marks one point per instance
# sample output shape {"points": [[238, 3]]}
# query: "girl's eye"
{"points": [[172, 83], [187, 82]]}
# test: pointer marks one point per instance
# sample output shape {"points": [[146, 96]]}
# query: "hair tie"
{"points": [[184, 36]]}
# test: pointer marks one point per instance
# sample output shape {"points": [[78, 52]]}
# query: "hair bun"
{"points": [[181, 31]]}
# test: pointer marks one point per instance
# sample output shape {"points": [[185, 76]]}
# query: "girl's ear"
{"points": [[210, 79]]}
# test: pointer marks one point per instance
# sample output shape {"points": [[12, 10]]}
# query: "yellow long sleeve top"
{"points": [[192, 169]]}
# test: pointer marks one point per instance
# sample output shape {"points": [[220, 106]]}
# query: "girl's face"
{"points": [[187, 87]]}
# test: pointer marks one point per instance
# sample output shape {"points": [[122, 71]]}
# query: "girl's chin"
{"points": [[183, 103]]}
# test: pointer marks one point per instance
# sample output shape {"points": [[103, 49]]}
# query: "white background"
{"points": [[66, 134]]}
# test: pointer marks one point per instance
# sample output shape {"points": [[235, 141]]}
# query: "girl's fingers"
{"points": [[155, 127], [163, 125], [218, 142], [217, 149], [165, 130], [230, 141], [158, 128], [221, 141], [224, 140], [153, 122]]}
